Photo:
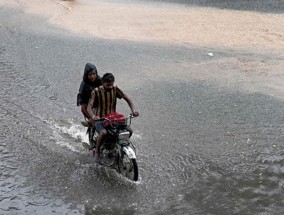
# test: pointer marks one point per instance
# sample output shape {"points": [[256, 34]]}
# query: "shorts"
{"points": [[99, 127]]}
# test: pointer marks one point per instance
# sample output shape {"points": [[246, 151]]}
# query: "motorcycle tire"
{"points": [[128, 167]]}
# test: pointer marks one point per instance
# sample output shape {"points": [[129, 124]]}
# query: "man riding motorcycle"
{"points": [[103, 100]]}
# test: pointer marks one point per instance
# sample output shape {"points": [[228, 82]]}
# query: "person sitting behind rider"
{"points": [[90, 81], [103, 98]]}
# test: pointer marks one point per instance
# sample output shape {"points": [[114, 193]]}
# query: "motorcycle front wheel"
{"points": [[128, 167]]}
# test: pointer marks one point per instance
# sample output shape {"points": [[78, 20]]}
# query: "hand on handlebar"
{"points": [[135, 113], [95, 118]]}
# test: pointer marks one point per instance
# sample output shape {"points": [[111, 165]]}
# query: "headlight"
{"points": [[124, 135]]}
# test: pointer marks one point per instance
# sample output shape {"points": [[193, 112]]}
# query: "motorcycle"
{"points": [[117, 151]]}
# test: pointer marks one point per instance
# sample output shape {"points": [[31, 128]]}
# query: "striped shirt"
{"points": [[104, 102]]}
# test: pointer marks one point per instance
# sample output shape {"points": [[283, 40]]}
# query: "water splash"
{"points": [[67, 131]]}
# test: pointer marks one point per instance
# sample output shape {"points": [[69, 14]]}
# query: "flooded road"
{"points": [[209, 139]]}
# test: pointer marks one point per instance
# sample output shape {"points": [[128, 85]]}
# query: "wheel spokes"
{"points": [[127, 168]]}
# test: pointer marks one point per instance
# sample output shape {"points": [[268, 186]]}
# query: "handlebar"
{"points": [[130, 116]]}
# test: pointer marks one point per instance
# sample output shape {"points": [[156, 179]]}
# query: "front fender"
{"points": [[129, 152]]}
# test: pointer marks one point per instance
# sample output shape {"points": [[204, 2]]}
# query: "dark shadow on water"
{"points": [[264, 6]]}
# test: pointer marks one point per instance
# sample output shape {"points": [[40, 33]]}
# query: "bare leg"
{"points": [[100, 138]]}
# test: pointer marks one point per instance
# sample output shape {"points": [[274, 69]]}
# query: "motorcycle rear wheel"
{"points": [[128, 167]]}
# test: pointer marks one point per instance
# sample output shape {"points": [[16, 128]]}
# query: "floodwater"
{"points": [[209, 138], [264, 6]]}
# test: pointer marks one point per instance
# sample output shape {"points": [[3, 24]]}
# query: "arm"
{"points": [[80, 96], [79, 99], [90, 106], [84, 110], [131, 105]]}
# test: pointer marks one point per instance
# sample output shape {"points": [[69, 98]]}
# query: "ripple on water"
{"points": [[38, 200], [241, 182]]}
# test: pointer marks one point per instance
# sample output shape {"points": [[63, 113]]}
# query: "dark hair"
{"points": [[108, 78]]}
